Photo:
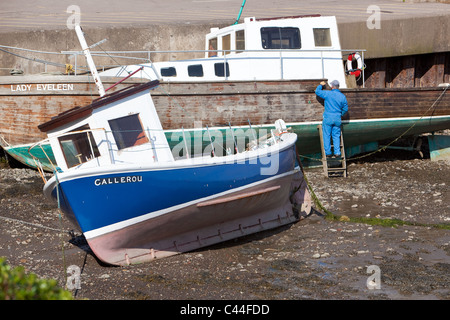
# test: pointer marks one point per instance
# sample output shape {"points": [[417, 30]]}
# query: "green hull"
{"points": [[41, 156], [359, 136]]}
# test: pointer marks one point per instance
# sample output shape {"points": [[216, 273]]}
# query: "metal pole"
{"points": [[185, 144], [234, 140], [210, 140], [363, 69], [90, 62], [251, 129], [321, 61], [225, 66], [281, 65]]}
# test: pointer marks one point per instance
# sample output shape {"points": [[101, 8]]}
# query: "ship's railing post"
{"points": [[321, 62], [363, 78], [76, 64], [281, 65], [225, 66]]}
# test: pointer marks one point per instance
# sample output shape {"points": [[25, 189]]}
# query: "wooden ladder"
{"points": [[333, 167]]}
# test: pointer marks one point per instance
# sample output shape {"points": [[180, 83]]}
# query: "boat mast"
{"points": [[90, 62]]}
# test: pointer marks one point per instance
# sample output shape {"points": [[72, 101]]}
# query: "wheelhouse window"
{"points": [[226, 44], [220, 69], [212, 46], [322, 37], [280, 38], [168, 72], [78, 147], [195, 70], [128, 131], [240, 41]]}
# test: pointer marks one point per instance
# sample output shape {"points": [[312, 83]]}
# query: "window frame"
{"points": [[193, 73], [126, 137], [172, 72], [219, 68], [226, 44], [212, 45], [268, 39], [322, 37], [83, 143], [240, 40]]}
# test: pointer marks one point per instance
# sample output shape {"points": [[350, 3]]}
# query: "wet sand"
{"points": [[315, 258]]}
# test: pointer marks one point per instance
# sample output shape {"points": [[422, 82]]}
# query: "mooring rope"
{"points": [[310, 188], [29, 223], [60, 224]]}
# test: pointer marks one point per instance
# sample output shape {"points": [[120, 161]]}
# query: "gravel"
{"points": [[315, 258]]}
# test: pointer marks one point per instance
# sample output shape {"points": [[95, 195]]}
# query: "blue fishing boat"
{"points": [[117, 179]]}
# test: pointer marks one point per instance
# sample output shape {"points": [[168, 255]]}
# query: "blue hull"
{"points": [[101, 200]]}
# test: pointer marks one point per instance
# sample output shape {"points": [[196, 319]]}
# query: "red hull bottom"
{"points": [[266, 206]]}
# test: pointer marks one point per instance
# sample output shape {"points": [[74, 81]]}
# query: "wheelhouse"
{"points": [[116, 128]]}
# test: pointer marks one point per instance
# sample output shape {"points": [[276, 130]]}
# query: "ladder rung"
{"points": [[343, 162]]}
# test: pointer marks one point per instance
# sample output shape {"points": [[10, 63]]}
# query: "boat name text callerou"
{"points": [[116, 180]]}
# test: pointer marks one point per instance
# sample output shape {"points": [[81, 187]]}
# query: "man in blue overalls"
{"points": [[335, 107]]}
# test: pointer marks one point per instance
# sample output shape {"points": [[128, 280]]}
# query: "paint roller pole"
{"points": [[90, 62]]}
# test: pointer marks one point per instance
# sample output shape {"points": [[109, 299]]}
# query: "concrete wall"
{"points": [[401, 37], [153, 37]]}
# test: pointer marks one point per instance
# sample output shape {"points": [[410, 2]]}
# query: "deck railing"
{"points": [[145, 57]]}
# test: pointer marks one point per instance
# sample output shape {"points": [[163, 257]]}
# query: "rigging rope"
{"points": [[111, 57]]}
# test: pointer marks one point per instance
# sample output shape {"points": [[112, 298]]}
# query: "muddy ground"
{"points": [[315, 258]]}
